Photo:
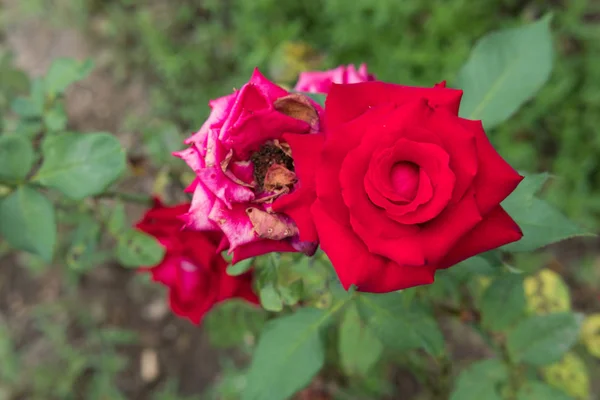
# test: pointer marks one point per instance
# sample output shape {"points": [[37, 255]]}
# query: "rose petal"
{"points": [[356, 266], [166, 271], [220, 110], [234, 223], [260, 247], [203, 202], [440, 235], [230, 193], [297, 204], [496, 229], [433, 161], [495, 179], [268, 88], [460, 144], [360, 206], [346, 102], [338, 142], [192, 158]]}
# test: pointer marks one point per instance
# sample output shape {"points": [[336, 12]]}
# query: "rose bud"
{"points": [[191, 269]]}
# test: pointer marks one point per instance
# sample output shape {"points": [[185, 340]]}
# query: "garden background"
{"points": [[98, 328]]}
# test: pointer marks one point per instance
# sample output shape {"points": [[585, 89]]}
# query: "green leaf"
{"points": [[291, 292], [270, 298], [505, 69], [240, 267], [16, 158], [11, 368], [82, 253], [290, 352], [81, 165], [28, 128], [230, 322], [400, 326], [480, 381], [118, 336], [541, 223], [27, 107], [318, 98], [117, 220], [540, 391], [138, 249], [161, 140], [65, 71], [55, 119], [27, 222], [477, 265], [543, 339], [359, 347], [503, 303]]}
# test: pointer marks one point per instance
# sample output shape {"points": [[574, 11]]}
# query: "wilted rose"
{"points": [[247, 184]]}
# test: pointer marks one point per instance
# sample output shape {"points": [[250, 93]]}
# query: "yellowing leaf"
{"points": [[159, 188], [590, 334], [546, 292], [569, 375], [187, 178]]}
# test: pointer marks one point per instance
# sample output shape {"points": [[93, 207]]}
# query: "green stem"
{"points": [[128, 197]]}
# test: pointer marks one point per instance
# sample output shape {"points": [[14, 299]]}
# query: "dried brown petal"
{"points": [[299, 106], [278, 177], [270, 226]]}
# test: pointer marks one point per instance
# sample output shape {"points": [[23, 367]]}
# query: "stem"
{"points": [[129, 197]]}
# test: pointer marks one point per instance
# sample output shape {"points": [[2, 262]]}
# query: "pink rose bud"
{"points": [[321, 81]]}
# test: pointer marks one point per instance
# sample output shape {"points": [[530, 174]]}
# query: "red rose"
{"points": [[405, 187], [192, 269]]}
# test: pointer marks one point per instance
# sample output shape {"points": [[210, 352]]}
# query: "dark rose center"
{"points": [[404, 178], [268, 156]]}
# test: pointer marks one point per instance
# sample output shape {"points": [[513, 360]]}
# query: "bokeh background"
{"points": [[158, 62]]}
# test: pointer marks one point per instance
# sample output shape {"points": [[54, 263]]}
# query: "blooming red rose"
{"points": [[321, 81], [405, 187], [247, 184], [192, 269]]}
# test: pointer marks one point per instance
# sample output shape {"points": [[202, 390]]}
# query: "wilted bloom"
{"points": [[321, 81], [249, 171], [192, 269]]}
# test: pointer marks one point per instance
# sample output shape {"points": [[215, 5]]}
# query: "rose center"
{"points": [[404, 178], [272, 159]]}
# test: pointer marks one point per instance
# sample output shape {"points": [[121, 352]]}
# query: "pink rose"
{"points": [[321, 81], [246, 185]]}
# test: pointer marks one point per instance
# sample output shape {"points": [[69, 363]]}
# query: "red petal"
{"points": [[441, 234], [297, 204], [460, 144], [495, 179], [346, 102], [497, 229], [355, 265], [260, 247]]}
